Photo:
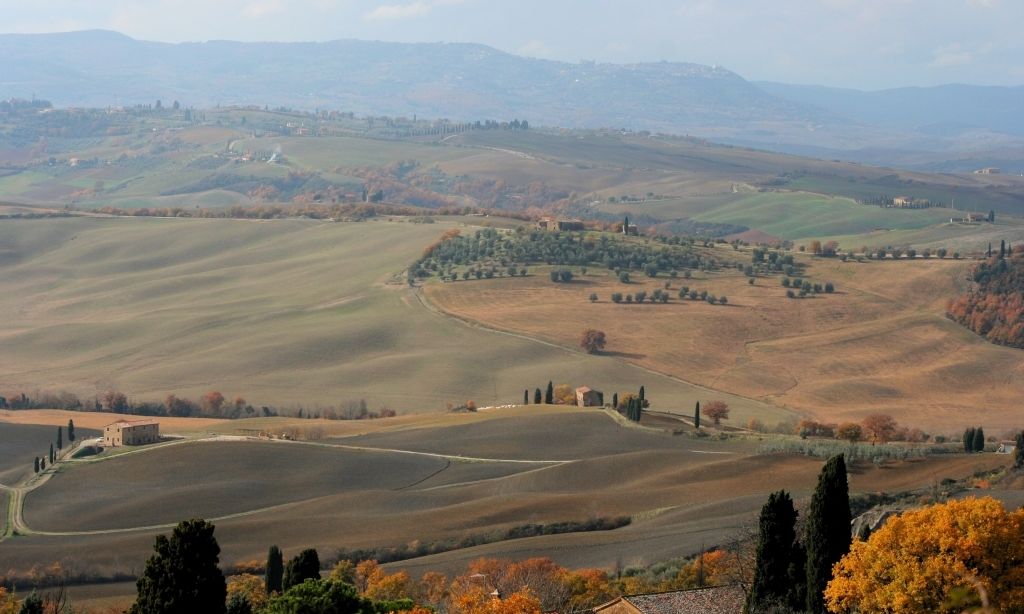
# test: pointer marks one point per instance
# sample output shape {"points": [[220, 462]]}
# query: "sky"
{"points": [[862, 44]]}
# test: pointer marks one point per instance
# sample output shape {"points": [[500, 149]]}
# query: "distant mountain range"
{"points": [[912, 126]]}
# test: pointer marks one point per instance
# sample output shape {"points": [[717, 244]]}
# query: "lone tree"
{"points": [[305, 566], [275, 570], [717, 411], [880, 427], [182, 576], [827, 533], [776, 553], [696, 416], [593, 341], [71, 431], [549, 394]]}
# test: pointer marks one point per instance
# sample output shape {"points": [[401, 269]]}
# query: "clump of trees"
{"points": [[994, 309], [974, 440]]}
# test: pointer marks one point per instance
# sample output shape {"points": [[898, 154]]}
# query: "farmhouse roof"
{"points": [[124, 423], [715, 600], [584, 389]]}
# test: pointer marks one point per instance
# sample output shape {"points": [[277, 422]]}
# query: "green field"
{"points": [[280, 312]]}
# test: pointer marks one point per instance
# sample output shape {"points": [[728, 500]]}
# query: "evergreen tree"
{"points": [[979, 440], [37, 465], [239, 604], [969, 439], [526, 397], [305, 566], [549, 396], [696, 416], [615, 400], [33, 604], [771, 586], [60, 438], [71, 431], [275, 570], [1018, 452], [827, 535], [42, 464], [797, 577], [537, 396], [51, 453], [182, 576], [1002, 248], [641, 396]]}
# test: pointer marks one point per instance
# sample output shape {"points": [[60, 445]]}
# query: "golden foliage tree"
{"points": [[250, 586], [880, 427], [717, 411], [926, 560]]}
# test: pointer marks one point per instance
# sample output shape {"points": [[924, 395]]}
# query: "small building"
{"points": [[991, 170], [588, 397], [1007, 447], [550, 223], [131, 433], [631, 230], [902, 201], [714, 600]]}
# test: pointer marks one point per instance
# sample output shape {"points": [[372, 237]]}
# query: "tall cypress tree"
{"points": [[71, 431], [37, 465], [827, 535], [51, 453], [60, 438], [549, 396], [979, 440], [275, 570], [1002, 248], [696, 416], [641, 396], [969, 439], [526, 397], [537, 396], [1018, 452], [615, 400], [771, 586]]}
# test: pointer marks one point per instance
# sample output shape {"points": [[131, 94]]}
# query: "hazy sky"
{"points": [[866, 44]]}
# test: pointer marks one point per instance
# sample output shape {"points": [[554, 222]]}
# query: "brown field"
{"points": [[880, 344], [682, 492], [98, 420]]}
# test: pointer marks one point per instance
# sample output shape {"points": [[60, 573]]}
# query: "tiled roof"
{"points": [[717, 600], [124, 423]]}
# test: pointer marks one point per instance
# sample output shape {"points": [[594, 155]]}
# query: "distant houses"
{"points": [[990, 170], [131, 433]]}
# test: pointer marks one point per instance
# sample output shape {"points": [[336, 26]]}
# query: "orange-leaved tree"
{"points": [[928, 560], [717, 411], [880, 427]]}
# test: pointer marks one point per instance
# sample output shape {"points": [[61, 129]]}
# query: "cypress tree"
{"points": [[182, 575], [771, 586], [42, 464], [1018, 452], [526, 397], [641, 396], [827, 534], [537, 396], [305, 566], [37, 465], [51, 453], [33, 604], [696, 416], [60, 438], [969, 439], [615, 400], [275, 570], [1002, 248], [549, 396], [71, 431], [979, 440]]}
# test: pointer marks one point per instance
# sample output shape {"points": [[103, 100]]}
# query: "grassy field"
{"points": [[682, 492], [279, 312], [881, 343]]}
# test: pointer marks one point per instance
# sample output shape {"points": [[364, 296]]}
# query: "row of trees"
{"points": [[40, 463]]}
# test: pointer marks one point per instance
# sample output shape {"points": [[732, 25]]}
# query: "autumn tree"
{"points": [[827, 533], [182, 575], [592, 341], [717, 411], [880, 427], [212, 402], [850, 431], [250, 587], [930, 559]]}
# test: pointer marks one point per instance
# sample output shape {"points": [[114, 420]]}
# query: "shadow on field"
{"points": [[629, 355]]}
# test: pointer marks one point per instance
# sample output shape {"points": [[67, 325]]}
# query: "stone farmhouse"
{"points": [[131, 433], [588, 397], [715, 600]]}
